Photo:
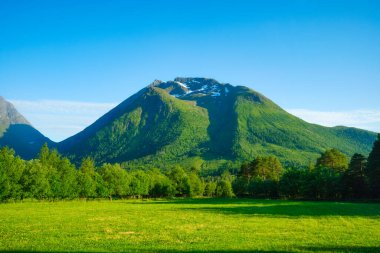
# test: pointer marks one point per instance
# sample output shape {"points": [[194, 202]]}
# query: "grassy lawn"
{"points": [[191, 225]]}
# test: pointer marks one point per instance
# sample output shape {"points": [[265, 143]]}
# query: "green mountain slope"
{"points": [[263, 127], [17, 133], [197, 121], [151, 123]]}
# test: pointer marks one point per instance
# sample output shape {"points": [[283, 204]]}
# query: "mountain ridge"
{"points": [[197, 122], [237, 123]]}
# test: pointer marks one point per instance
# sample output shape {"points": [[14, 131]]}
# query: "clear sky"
{"points": [[65, 63]]}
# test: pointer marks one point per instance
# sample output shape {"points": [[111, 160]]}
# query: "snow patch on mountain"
{"points": [[206, 87], [182, 84]]}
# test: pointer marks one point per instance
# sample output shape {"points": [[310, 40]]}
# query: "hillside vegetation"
{"points": [[204, 123], [191, 122]]}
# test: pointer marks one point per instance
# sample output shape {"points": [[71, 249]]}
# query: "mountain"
{"points": [[17, 133], [201, 122]]}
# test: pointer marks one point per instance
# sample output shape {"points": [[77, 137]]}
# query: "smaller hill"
{"points": [[16, 132]]}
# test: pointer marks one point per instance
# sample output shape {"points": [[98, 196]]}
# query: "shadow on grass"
{"points": [[343, 249], [208, 201], [292, 211], [155, 251], [337, 249], [277, 208]]}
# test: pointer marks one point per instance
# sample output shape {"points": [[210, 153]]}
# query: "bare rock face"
{"points": [[9, 116]]}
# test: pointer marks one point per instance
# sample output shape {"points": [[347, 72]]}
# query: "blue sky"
{"points": [[65, 63]]}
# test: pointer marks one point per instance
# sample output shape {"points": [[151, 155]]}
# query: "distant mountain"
{"points": [[199, 121], [16, 132]]}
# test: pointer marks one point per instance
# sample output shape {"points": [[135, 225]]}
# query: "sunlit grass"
{"points": [[190, 225]]}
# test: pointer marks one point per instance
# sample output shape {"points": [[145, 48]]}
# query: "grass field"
{"points": [[190, 225]]}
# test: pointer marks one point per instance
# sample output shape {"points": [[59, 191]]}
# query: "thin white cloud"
{"points": [[365, 119], [58, 119]]}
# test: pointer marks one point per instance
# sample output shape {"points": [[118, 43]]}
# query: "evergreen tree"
{"points": [[260, 187], [241, 185], [373, 169], [354, 179], [325, 183], [292, 183]]}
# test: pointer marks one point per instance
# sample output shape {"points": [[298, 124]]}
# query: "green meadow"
{"points": [[190, 225]]}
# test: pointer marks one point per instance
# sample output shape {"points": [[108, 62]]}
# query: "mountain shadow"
{"points": [[24, 139]]}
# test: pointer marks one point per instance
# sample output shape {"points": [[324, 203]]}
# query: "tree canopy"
{"points": [[333, 159]]}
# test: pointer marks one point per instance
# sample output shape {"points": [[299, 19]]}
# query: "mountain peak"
{"points": [[156, 82], [185, 87], [9, 115], [190, 80]]}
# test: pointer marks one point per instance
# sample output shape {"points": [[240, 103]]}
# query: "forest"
{"points": [[51, 176]]}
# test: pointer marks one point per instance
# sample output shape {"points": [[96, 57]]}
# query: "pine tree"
{"points": [[373, 168], [354, 178]]}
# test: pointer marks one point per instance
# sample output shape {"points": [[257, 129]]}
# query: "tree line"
{"points": [[51, 176]]}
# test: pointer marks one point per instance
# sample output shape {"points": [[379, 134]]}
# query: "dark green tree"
{"points": [[324, 183], [259, 187], [373, 169], [292, 183], [355, 182], [241, 185]]}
